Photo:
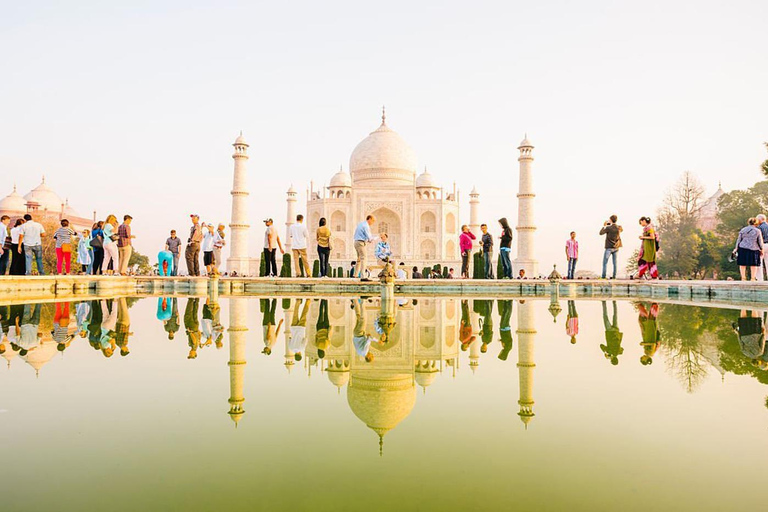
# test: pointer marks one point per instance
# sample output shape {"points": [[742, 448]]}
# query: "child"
{"points": [[383, 252]]}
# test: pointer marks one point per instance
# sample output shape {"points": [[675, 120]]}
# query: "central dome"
{"points": [[45, 197], [383, 157]]}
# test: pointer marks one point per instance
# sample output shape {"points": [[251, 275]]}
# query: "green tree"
{"points": [[285, 270], [677, 220], [764, 165], [141, 261]]}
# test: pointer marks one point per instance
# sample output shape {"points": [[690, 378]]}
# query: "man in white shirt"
{"points": [[401, 274], [298, 329], [32, 237], [298, 234]]}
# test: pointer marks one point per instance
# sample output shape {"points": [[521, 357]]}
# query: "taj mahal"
{"points": [[421, 217]]}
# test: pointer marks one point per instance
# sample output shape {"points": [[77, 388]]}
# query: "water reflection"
{"points": [[381, 350]]}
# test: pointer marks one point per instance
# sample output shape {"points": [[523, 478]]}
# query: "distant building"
{"points": [[708, 216], [43, 203]]}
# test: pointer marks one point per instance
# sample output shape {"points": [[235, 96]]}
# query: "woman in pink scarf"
{"points": [[465, 245]]}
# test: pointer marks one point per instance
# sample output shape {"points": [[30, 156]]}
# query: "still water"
{"points": [[362, 404]]}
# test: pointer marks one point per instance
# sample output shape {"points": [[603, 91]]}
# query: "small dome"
{"points": [[341, 179], [525, 143], [69, 211], [43, 353], [45, 197], [13, 202], [425, 180], [291, 190], [240, 140], [383, 156], [425, 379], [338, 378], [474, 192]]}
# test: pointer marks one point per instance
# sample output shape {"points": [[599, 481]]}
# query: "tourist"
{"points": [[97, 244], [415, 274], [124, 246], [271, 244], [485, 309], [63, 244], [60, 332], [110, 246], [18, 262], [749, 249], [298, 235], [571, 254], [360, 338], [612, 232], [646, 261], [192, 252], [323, 236], [505, 248], [268, 307], [352, 272], [751, 332], [298, 338], [5, 243], [173, 246], [108, 325], [32, 233], [29, 330], [362, 238], [572, 322], [85, 252], [649, 328], [218, 245], [383, 251], [762, 225], [171, 325], [165, 263], [450, 273], [466, 336], [486, 241], [322, 329], [465, 246], [613, 336], [521, 274], [192, 323], [505, 330], [401, 274], [207, 248]]}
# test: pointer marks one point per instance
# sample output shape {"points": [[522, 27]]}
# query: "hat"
{"points": [[267, 220]]}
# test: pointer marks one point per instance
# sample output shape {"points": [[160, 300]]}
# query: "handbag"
{"points": [[96, 242], [66, 247]]}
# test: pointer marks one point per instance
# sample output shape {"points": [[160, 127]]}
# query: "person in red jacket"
{"points": [[465, 245]]}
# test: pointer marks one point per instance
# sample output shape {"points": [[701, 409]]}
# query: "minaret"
{"points": [[526, 228], [238, 319], [474, 212], [238, 249], [526, 332], [290, 216]]}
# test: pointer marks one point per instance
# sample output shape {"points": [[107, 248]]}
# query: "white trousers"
{"points": [[763, 266]]}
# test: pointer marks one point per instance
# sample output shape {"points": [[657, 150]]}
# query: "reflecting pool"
{"points": [[358, 403]]}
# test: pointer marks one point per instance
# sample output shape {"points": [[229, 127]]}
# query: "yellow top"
{"points": [[324, 236]]}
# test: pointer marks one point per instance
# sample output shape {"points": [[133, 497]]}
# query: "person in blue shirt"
{"points": [[383, 251], [362, 238]]}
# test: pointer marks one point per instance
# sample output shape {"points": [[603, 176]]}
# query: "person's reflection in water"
{"points": [[466, 336], [108, 326], [206, 325], [505, 330], [485, 308], [613, 336], [751, 331], [572, 322], [218, 329], [322, 328], [15, 313], [649, 328], [171, 325], [30, 322], [361, 339], [94, 325], [82, 316], [123, 328], [299, 329], [268, 308], [5, 324], [192, 326], [60, 331]]}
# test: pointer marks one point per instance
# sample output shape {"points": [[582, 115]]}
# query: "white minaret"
{"points": [[238, 319], [474, 212], [526, 332], [238, 249], [526, 227], [289, 355], [290, 216]]}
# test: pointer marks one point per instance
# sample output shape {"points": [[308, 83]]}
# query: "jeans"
{"points": [[37, 252], [506, 263], [270, 267], [465, 264], [4, 260], [175, 270], [98, 259], [323, 253], [612, 253], [572, 267], [488, 265]]}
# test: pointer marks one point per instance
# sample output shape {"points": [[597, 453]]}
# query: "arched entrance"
{"points": [[387, 222]]}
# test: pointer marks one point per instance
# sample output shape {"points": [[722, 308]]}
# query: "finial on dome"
{"points": [[43, 179], [14, 187], [383, 115], [381, 445]]}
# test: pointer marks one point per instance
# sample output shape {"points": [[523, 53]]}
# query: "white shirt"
{"points": [[298, 339], [299, 235], [32, 232], [207, 245], [15, 232], [218, 240], [401, 274]]}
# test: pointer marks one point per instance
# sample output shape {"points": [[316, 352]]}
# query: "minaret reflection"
{"points": [[287, 317], [238, 321], [526, 333]]}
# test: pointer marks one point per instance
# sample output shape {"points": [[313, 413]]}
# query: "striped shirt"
{"points": [[572, 248], [63, 235]]}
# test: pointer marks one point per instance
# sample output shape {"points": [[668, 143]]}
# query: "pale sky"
{"points": [[134, 109]]}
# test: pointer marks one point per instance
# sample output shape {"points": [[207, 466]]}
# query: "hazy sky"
{"points": [[133, 109]]}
